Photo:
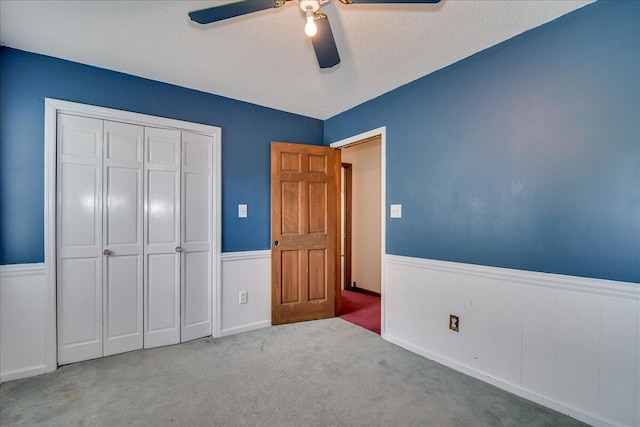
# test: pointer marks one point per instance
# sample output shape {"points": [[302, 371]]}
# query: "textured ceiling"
{"points": [[265, 58]]}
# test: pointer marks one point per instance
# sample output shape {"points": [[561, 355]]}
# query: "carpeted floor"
{"points": [[320, 373], [361, 309]]}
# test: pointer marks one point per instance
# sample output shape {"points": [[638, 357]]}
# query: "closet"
{"points": [[134, 236]]}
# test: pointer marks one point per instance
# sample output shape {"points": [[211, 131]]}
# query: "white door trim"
{"points": [[52, 108], [353, 140]]}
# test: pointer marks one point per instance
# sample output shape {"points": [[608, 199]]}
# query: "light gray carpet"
{"points": [[322, 373]]}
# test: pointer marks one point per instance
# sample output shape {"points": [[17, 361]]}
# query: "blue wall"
{"points": [[526, 155], [247, 130]]}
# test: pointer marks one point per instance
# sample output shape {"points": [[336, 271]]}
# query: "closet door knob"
{"points": [[106, 252], [178, 249]]}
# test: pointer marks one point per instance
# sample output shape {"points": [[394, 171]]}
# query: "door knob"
{"points": [[106, 252], [178, 249], [276, 243]]}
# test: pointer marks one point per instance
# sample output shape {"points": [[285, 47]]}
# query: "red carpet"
{"points": [[361, 309]]}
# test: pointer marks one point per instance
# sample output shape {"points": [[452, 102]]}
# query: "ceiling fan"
{"points": [[317, 27]]}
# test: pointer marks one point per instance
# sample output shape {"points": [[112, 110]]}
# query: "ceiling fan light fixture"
{"points": [[310, 7], [310, 28]]}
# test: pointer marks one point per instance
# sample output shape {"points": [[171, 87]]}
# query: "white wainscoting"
{"points": [[245, 271], [568, 343], [27, 335], [24, 322]]}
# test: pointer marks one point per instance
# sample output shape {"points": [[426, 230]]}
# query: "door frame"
{"points": [[54, 106], [347, 185], [353, 140]]}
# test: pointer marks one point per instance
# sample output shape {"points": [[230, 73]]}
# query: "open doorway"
{"points": [[361, 239]]}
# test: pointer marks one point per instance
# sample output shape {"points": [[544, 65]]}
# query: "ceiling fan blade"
{"points": [[218, 13], [394, 1], [325, 45]]}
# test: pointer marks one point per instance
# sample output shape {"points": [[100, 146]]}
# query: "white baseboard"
{"points": [[245, 328], [511, 388], [569, 343], [23, 373]]}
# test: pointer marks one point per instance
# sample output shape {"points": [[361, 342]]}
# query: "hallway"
{"points": [[361, 309]]}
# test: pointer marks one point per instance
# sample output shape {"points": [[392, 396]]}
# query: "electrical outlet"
{"points": [[454, 323], [396, 211], [244, 297]]}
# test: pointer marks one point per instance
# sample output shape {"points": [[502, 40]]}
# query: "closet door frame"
{"points": [[52, 108]]}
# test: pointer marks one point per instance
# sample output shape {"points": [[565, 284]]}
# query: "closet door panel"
{"points": [[197, 266], [196, 205], [162, 237], [79, 238], [79, 309], [79, 222], [197, 223], [122, 208], [123, 238], [122, 302], [162, 299]]}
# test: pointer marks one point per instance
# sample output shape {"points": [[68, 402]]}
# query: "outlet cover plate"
{"points": [[454, 323], [244, 297], [396, 211]]}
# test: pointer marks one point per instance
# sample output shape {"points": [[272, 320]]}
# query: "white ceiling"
{"points": [[265, 57]]}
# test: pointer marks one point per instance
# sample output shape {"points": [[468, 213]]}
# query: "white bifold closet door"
{"points": [[99, 236], [122, 237], [197, 235], [79, 238], [135, 237], [178, 236], [162, 237]]}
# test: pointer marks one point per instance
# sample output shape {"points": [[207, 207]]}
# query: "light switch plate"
{"points": [[396, 211], [242, 211]]}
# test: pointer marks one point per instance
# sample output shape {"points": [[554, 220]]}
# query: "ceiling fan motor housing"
{"points": [[313, 4]]}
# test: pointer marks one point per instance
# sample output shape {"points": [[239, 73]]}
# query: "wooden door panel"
{"points": [[304, 193], [290, 208], [318, 163], [290, 162], [318, 207], [290, 261], [317, 278]]}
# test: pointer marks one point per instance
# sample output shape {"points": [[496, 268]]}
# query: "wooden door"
{"points": [[122, 237], [162, 237], [79, 238], [305, 183], [197, 235]]}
